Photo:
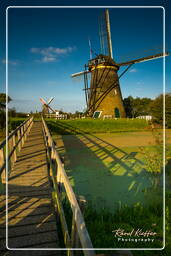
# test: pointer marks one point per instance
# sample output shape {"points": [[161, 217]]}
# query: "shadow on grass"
{"points": [[104, 174]]}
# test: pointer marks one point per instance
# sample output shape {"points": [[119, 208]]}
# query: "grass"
{"points": [[89, 126], [101, 225]]}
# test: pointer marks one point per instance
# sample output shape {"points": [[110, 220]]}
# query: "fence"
{"points": [[14, 142], [79, 237]]}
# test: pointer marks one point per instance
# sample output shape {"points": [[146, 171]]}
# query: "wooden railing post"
{"points": [[14, 145], [22, 134], [2, 161], [74, 235], [10, 162], [19, 137], [25, 135], [75, 241]]}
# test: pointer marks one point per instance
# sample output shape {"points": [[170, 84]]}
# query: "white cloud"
{"points": [[51, 54], [48, 59], [10, 62], [140, 83], [133, 70]]}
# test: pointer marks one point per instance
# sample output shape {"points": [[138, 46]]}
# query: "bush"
{"points": [[13, 123], [157, 109]]}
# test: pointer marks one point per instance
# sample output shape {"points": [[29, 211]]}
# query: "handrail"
{"points": [[14, 142], [59, 178]]}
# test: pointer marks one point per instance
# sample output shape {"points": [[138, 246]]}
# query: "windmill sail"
{"points": [[147, 58]]}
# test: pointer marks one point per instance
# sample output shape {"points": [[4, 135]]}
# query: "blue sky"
{"points": [[47, 45]]}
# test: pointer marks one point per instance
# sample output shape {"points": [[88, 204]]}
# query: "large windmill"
{"points": [[103, 95]]}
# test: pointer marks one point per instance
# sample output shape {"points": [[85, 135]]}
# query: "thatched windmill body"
{"points": [[103, 95]]}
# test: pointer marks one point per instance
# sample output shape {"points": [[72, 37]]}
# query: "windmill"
{"points": [[46, 107], [103, 95]]}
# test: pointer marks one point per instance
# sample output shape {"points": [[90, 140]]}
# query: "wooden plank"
{"points": [[30, 197]]}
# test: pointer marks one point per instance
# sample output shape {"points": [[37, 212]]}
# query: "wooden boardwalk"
{"points": [[31, 221]]}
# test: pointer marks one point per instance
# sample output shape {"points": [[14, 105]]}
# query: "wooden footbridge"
{"points": [[32, 215]]}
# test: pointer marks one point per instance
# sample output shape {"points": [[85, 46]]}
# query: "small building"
{"points": [[147, 118]]}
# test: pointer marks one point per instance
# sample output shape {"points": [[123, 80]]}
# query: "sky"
{"points": [[47, 45]]}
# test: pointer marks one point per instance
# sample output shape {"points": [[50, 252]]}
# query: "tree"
{"points": [[137, 107], [128, 104], [157, 109], [2, 109], [3, 100]]}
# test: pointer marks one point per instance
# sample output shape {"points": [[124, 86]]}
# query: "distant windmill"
{"points": [[103, 96], [46, 107]]}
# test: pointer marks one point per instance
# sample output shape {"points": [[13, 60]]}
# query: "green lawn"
{"points": [[79, 126]]}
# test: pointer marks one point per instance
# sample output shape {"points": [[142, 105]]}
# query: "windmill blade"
{"points": [[50, 100], [51, 108], [109, 40], [151, 57], [43, 101], [80, 73]]}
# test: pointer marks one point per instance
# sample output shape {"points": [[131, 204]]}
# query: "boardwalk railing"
{"points": [[14, 142], [79, 237]]}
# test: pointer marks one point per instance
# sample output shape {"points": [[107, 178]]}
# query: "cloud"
{"points": [[48, 59], [140, 83], [10, 62], [51, 54], [133, 70]]}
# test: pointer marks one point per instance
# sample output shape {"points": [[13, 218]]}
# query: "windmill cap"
{"points": [[102, 59]]}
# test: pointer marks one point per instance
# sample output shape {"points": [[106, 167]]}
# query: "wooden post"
{"points": [[10, 162], [30, 124], [1, 157], [14, 146], [75, 241], [26, 126], [25, 133], [22, 134], [19, 137], [2, 161]]}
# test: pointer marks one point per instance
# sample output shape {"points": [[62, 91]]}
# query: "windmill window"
{"points": [[115, 91], [97, 114]]}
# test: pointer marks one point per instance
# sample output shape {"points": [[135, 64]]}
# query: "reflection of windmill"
{"points": [[103, 96], [46, 107]]}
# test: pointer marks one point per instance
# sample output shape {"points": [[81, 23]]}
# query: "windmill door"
{"points": [[117, 113]]}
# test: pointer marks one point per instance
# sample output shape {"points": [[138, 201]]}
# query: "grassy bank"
{"points": [[95, 126], [102, 225], [14, 122]]}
